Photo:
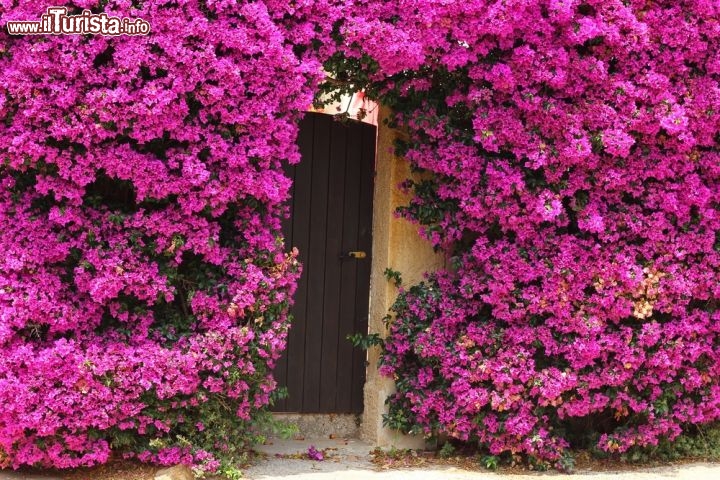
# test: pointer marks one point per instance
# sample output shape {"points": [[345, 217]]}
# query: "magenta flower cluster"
{"points": [[143, 280], [574, 147]]}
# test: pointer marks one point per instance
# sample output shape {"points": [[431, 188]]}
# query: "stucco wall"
{"points": [[397, 245]]}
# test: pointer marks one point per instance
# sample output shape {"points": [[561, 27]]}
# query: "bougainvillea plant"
{"points": [[575, 147], [144, 284]]}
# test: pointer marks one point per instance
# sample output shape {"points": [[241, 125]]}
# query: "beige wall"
{"points": [[397, 245]]}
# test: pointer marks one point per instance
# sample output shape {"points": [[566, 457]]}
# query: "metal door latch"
{"points": [[358, 254]]}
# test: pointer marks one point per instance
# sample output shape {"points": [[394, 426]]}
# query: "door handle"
{"points": [[355, 254]]}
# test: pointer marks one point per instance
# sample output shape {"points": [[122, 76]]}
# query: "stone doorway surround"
{"points": [[396, 245]]}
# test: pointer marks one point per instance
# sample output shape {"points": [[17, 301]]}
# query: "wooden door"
{"points": [[331, 215]]}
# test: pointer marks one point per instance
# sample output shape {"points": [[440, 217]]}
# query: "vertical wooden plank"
{"points": [[316, 264], [301, 240], [281, 369], [348, 274], [366, 180], [333, 264]]}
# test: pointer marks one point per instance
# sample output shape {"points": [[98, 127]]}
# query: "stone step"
{"points": [[326, 426]]}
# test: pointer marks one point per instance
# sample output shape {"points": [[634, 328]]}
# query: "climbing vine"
{"points": [[573, 147]]}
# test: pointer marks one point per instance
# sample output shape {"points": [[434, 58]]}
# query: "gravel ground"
{"points": [[348, 459], [295, 471], [7, 475]]}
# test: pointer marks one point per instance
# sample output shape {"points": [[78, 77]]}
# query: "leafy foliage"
{"points": [[365, 341], [571, 158], [144, 284], [572, 153]]}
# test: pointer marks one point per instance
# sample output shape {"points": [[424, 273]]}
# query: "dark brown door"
{"points": [[331, 215]]}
